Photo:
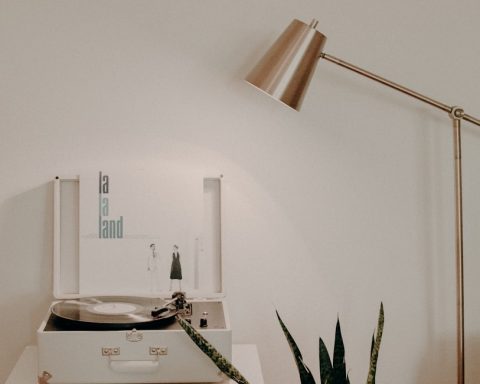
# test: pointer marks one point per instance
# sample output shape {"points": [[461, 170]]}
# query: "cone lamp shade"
{"points": [[286, 69]]}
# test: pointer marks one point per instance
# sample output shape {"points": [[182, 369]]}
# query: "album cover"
{"points": [[140, 232]]}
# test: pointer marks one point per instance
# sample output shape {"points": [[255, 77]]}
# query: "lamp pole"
{"points": [[457, 150], [457, 114]]}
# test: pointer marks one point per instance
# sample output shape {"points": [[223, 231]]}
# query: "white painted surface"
{"points": [[245, 357], [76, 356], [328, 211]]}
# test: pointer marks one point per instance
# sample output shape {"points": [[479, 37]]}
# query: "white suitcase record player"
{"points": [[103, 331]]}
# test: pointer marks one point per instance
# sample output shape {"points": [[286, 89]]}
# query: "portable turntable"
{"points": [[113, 336]]}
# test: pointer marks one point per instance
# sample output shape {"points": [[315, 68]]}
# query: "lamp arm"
{"points": [[458, 112]]}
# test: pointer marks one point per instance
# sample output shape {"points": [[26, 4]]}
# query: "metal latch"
{"points": [[110, 351], [158, 351]]}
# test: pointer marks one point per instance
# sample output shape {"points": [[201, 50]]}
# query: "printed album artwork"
{"points": [[139, 233]]}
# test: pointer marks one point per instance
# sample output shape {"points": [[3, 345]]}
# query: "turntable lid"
{"points": [[87, 265]]}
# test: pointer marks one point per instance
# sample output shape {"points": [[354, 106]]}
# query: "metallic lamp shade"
{"points": [[286, 69]]}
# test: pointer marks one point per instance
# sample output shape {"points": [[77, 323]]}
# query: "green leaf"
{"points": [[371, 352], [305, 374], [339, 369], [326, 369], [376, 347], [372, 345], [218, 359]]}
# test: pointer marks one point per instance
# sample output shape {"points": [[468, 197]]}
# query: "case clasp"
{"points": [[158, 351], [110, 351], [134, 335]]}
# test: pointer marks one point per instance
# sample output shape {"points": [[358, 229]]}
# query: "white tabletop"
{"points": [[244, 356]]}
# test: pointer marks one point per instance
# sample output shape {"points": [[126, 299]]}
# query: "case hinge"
{"points": [[110, 351], [158, 351]]}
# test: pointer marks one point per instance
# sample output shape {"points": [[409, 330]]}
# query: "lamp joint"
{"points": [[457, 113]]}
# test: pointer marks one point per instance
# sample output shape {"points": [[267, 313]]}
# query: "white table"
{"points": [[244, 356]]}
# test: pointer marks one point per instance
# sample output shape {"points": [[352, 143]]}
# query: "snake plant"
{"points": [[331, 371], [334, 371]]}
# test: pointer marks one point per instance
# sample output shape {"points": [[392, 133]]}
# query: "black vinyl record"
{"points": [[111, 313]]}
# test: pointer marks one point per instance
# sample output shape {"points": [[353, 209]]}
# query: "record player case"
{"points": [[165, 355]]}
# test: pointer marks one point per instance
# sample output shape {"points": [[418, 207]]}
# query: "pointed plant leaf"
{"points": [[304, 372], [376, 347], [339, 369], [371, 352], [218, 359], [348, 380], [326, 369], [372, 345]]}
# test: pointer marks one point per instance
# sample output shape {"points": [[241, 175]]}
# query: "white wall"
{"points": [[327, 212]]}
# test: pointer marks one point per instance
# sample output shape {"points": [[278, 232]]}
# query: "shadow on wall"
{"points": [[439, 365], [26, 247]]}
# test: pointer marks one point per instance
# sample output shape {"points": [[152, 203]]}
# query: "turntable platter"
{"points": [[111, 312]]}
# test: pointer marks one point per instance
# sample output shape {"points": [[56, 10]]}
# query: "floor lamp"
{"points": [[285, 72]]}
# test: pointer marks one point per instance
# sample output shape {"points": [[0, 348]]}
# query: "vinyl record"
{"points": [[111, 313]]}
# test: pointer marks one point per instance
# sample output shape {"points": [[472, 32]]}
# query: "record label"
{"points": [[113, 308]]}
